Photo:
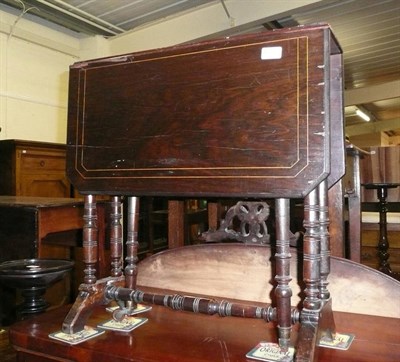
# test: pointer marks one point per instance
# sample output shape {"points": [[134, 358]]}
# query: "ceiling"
{"points": [[105, 17], [368, 31]]}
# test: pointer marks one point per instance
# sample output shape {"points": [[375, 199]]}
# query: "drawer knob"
{"points": [[42, 163]]}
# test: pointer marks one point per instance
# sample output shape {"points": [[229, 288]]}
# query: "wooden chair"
{"points": [[251, 117]]}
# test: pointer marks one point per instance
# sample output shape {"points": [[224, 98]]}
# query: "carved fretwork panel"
{"points": [[250, 219], [248, 222]]}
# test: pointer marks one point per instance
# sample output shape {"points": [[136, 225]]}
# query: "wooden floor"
{"points": [[7, 352]]}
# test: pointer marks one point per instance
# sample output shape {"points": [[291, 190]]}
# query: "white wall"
{"points": [[35, 59], [34, 69]]}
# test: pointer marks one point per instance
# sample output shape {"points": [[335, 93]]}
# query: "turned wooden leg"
{"points": [[326, 323], [132, 245], [312, 276], [316, 317], [116, 236], [132, 242], [324, 239], [282, 257], [312, 252], [90, 243], [383, 244], [92, 291]]}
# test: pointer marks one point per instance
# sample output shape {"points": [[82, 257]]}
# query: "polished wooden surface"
{"points": [[180, 336], [245, 128], [7, 352]]}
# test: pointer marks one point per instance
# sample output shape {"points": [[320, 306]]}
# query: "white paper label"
{"points": [[271, 53]]}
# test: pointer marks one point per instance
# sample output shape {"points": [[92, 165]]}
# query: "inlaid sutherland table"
{"points": [[253, 117]]}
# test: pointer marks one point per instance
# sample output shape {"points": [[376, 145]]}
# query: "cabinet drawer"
{"points": [[51, 184], [36, 161]]}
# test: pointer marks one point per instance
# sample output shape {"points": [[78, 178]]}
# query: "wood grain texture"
{"points": [[212, 118]]}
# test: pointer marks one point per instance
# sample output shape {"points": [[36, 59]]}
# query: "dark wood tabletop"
{"points": [[182, 336]]}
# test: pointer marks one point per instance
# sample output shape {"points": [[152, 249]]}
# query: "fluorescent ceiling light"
{"points": [[363, 115]]}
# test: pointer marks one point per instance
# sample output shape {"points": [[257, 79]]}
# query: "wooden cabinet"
{"points": [[31, 168]]}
